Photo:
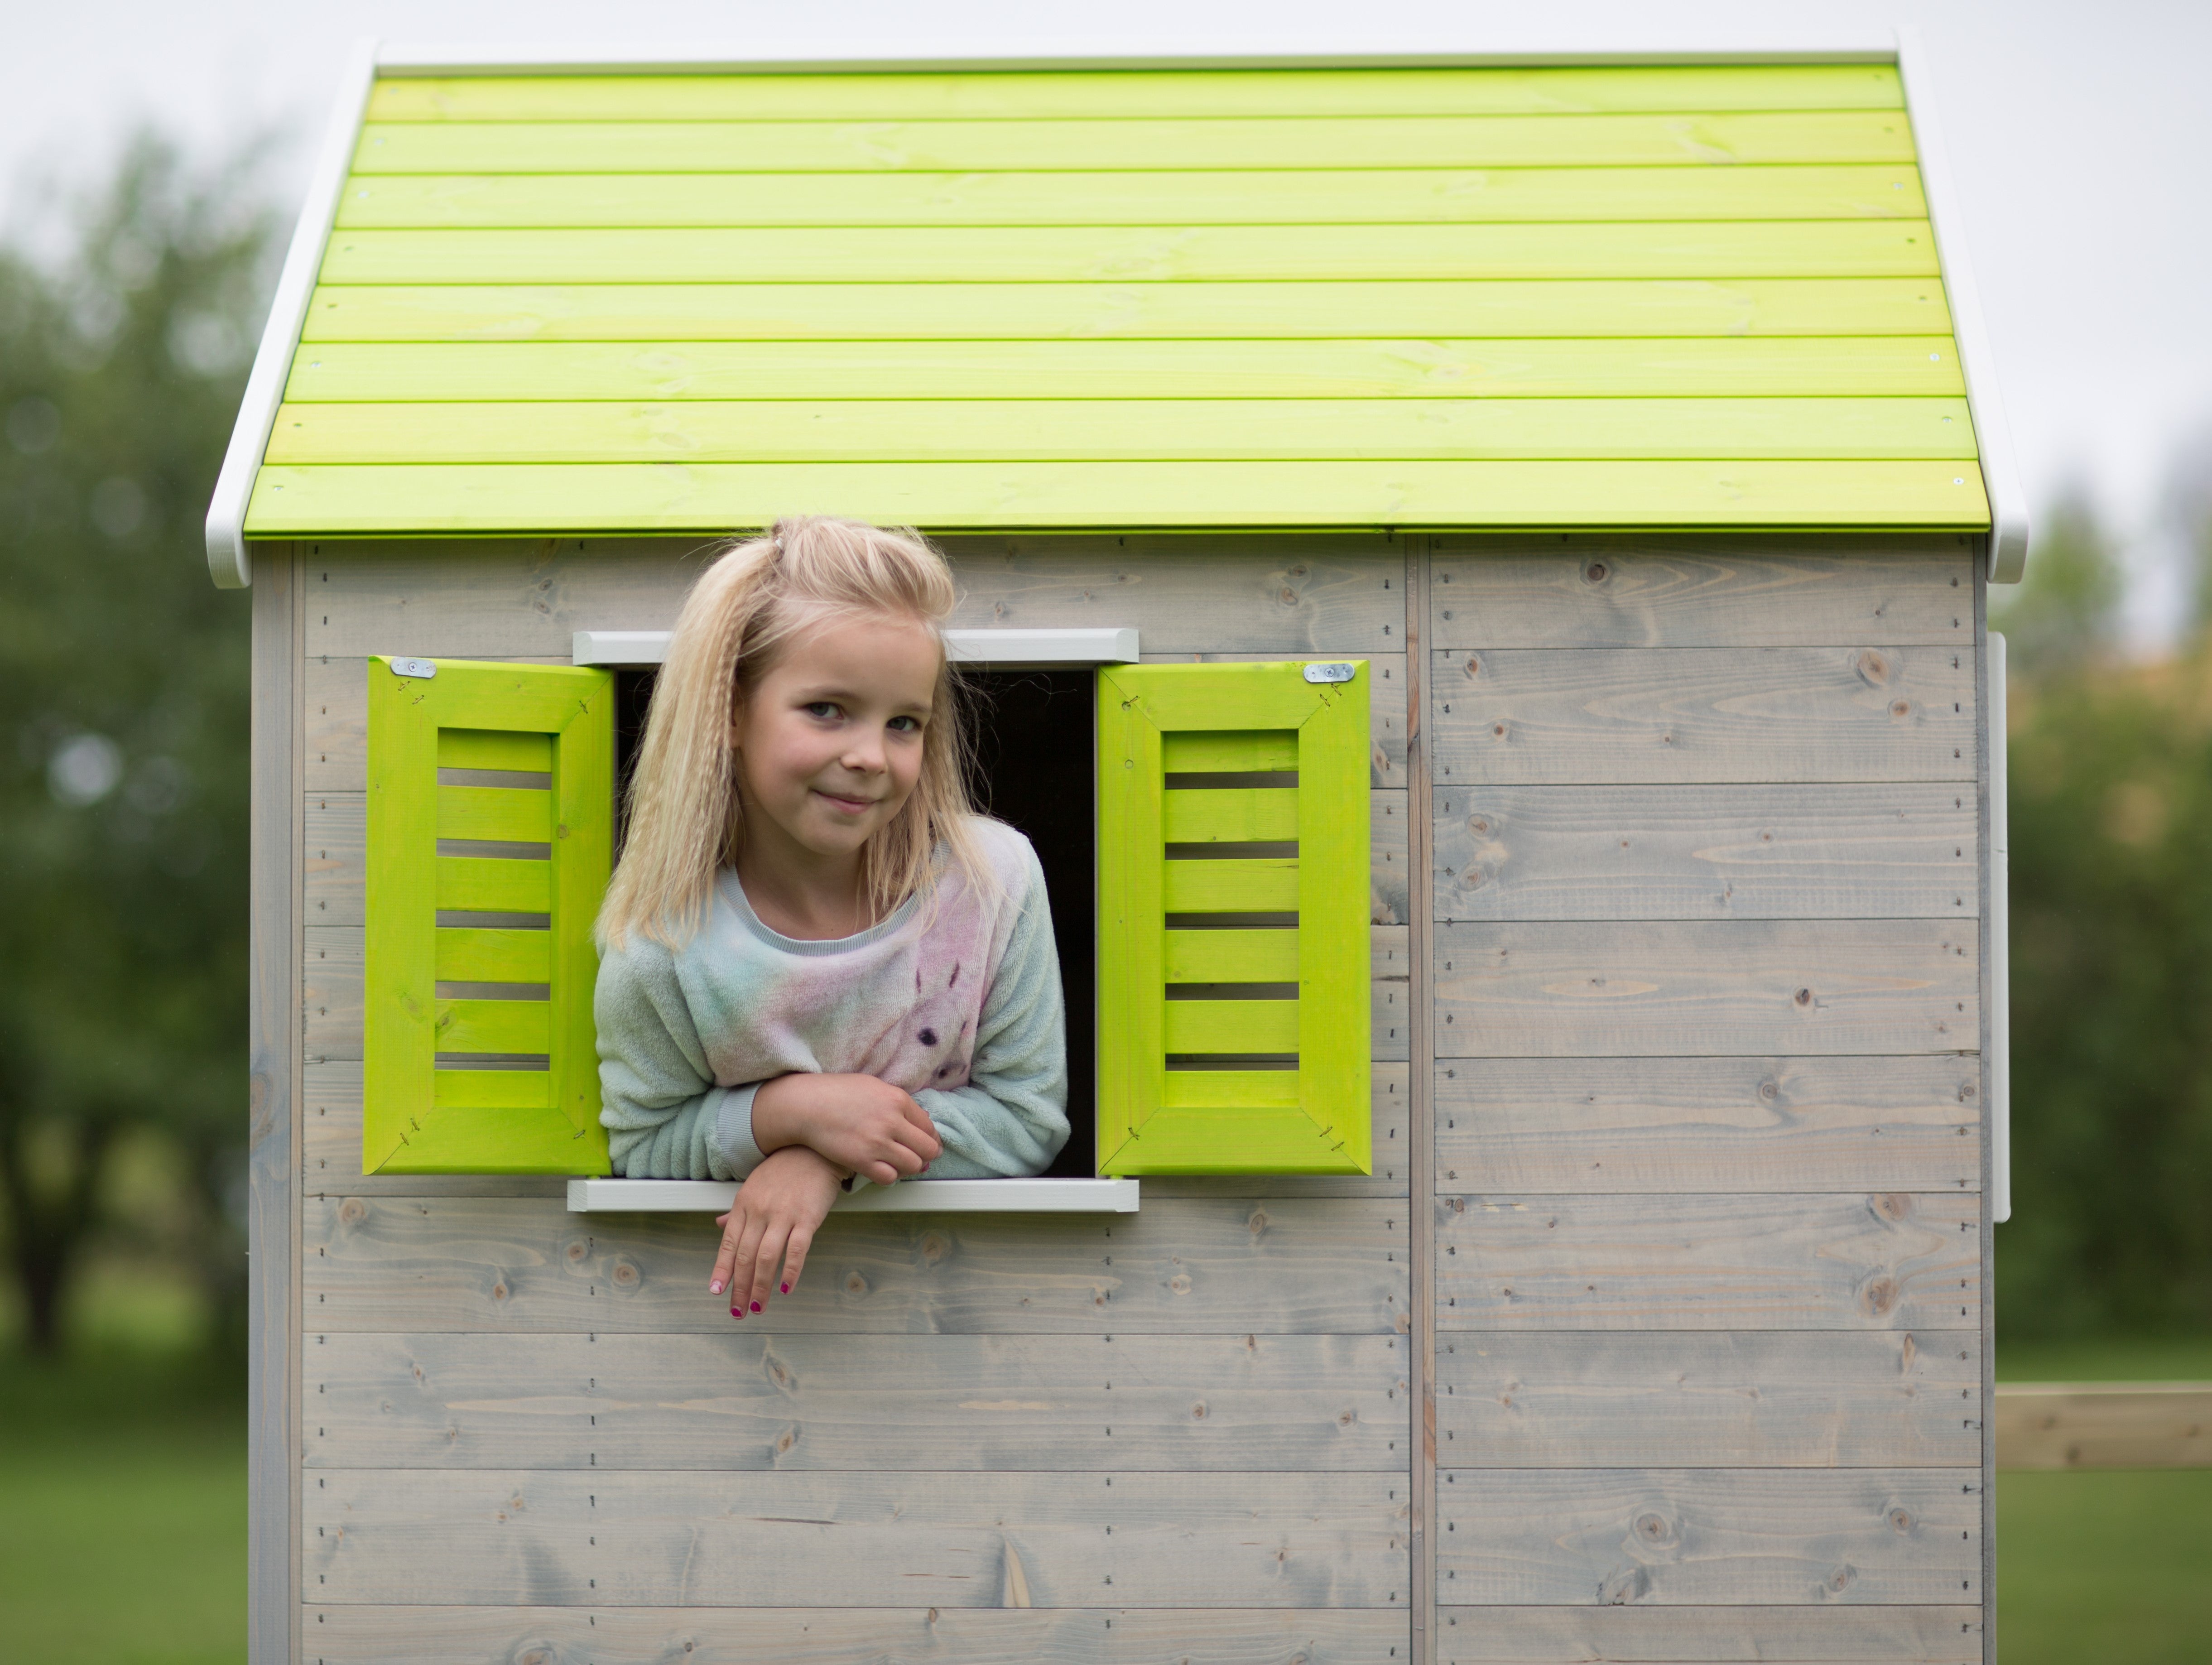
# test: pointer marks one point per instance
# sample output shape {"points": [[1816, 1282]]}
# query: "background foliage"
{"points": [[123, 753]]}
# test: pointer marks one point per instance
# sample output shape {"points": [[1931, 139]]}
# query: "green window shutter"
{"points": [[1233, 976], [490, 835]]}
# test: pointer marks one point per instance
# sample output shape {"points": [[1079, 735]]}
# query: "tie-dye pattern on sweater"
{"points": [[959, 1003]]}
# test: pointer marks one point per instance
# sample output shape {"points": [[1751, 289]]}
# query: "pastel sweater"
{"points": [[962, 1009]]}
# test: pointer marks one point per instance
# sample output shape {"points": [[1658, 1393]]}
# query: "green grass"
{"points": [[122, 1510], [2103, 1566]]}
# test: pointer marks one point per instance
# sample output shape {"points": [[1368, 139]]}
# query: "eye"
{"points": [[825, 709], [906, 725]]}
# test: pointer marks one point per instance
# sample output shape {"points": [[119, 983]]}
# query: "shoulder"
{"points": [[1007, 852]]}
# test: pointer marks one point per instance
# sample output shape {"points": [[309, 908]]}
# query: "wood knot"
{"points": [[1841, 1579], [574, 1250], [1652, 1528], [1474, 666], [1478, 825], [1770, 1090], [1878, 1296], [1497, 731], [499, 1290], [1198, 1411], [1595, 572], [1803, 998], [1873, 664], [1894, 1205], [352, 1212], [1901, 708], [1287, 596], [1257, 1225], [1180, 1283], [784, 1441], [856, 1283], [1900, 1520], [1630, 1584], [626, 1275], [934, 1247]]}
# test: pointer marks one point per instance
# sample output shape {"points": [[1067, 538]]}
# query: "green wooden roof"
{"points": [[1647, 297]]}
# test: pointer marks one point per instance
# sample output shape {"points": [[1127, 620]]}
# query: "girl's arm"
{"points": [[1011, 1117], [665, 1116]]}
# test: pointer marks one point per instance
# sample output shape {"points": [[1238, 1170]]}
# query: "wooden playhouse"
{"points": [[1477, 565]]}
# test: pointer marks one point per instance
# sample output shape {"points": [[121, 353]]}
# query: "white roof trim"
{"points": [[935, 55], [1081, 645], [287, 313], [914, 1196], [2008, 519]]}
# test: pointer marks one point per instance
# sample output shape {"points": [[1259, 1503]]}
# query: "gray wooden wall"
{"points": [[1677, 920], [1705, 1220], [528, 1434]]}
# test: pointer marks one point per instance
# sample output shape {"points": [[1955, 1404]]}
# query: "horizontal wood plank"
{"points": [[398, 1635], [1402, 365], [1699, 251], [1745, 1399], [1242, 593], [1060, 93], [1124, 430], [1379, 308], [1185, 1265], [1893, 1260], [2104, 1424], [753, 1403], [1346, 196], [954, 145], [1726, 987], [652, 1538], [1659, 1536], [1595, 592], [502, 499], [1721, 1635], [1709, 1124], [1739, 851], [1703, 715]]}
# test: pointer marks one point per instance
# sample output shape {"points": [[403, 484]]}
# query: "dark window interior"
{"points": [[1033, 769]]}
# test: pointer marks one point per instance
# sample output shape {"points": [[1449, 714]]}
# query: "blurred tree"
{"points": [[2111, 964], [2066, 612], [123, 720]]}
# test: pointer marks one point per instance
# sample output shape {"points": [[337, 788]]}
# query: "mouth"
{"points": [[847, 805]]}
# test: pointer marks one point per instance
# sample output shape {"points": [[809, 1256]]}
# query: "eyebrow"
{"points": [[845, 695]]}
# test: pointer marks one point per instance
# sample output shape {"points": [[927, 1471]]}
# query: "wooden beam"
{"points": [[2104, 1424]]}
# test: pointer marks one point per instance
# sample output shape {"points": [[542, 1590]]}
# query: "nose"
{"points": [[865, 754]]}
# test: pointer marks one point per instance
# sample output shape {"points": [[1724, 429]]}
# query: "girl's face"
{"points": [[828, 741]]}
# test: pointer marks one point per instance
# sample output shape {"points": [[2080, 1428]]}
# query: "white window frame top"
{"points": [[1008, 649], [1013, 650]]}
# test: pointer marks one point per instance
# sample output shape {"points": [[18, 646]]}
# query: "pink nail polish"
{"points": [[735, 1313], [784, 1289], [715, 1288], [756, 1306]]}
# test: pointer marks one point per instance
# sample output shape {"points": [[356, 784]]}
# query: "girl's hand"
{"points": [[772, 1224], [869, 1126]]}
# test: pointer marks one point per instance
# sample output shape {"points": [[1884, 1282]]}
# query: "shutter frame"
{"points": [[417, 1118], [1154, 1120]]}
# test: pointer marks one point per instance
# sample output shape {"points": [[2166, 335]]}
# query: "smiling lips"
{"points": [[850, 805]]}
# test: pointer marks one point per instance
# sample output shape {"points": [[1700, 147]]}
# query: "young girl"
{"points": [[818, 962]]}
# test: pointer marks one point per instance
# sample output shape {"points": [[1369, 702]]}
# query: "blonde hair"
{"points": [[683, 815]]}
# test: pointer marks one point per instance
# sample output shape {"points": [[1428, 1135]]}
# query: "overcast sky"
{"points": [[2080, 137]]}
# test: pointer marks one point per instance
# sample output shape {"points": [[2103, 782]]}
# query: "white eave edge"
{"points": [[288, 314], [1007, 649], [227, 562], [2001, 481]]}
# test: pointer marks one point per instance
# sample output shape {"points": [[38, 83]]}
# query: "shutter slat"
{"points": [[1240, 1090], [1261, 886], [1201, 752], [1232, 956], [488, 748], [469, 884], [495, 812], [1232, 1026], [494, 1090], [494, 957], [509, 1026], [1231, 816]]}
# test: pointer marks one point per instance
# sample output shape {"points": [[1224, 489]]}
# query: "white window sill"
{"points": [[959, 1196]]}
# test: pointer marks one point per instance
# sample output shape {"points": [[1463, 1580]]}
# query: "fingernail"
{"points": [[734, 1313], [715, 1288], [756, 1306], [783, 1289]]}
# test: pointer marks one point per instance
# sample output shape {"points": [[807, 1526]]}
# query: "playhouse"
{"points": [[1474, 567]]}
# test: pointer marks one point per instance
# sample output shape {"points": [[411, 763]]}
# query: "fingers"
{"points": [[741, 1269], [794, 1257], [768, 1256], [725, 1257], [930, 1145]]}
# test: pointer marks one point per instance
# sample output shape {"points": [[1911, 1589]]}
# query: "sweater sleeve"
{"points": [[1011, 1117], [666, 1117]]}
